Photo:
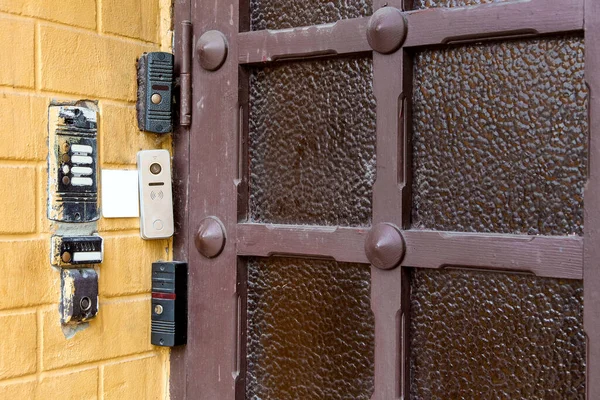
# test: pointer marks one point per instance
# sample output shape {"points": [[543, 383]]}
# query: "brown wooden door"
{"points": [[400, 189]]}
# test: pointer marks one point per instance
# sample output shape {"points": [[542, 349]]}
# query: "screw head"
{"points": [[384, 246], [386, 30], [210, 238], [158, 309]]}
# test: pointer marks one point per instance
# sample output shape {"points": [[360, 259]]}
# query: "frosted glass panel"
{"points": [[500, 137], [310, 330], [478, 335]]}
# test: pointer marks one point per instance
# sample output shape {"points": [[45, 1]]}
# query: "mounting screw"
{"points": [[210, 238], [385, 246], [386, 30], [212, 50]]}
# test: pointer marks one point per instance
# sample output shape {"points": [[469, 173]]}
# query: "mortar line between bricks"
{"points": [[89, 31], [19, 310], [5, 89], [37, 58], [11, 237], [125, 298], [9, 15], [39, 188], [99, 16], [84, 366], [19, 163], [18, 379], [100, 393], [122, 233], [40, 343]]}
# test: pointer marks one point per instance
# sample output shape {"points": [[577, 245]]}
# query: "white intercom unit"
{"points": [[156, 194]]}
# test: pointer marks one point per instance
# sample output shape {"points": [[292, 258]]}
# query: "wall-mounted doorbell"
{"points": [[79, 295], [72, 164], [155, 91], [156, 195], [76, 250], [169, 303]]}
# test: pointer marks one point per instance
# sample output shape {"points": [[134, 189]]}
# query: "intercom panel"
{"points": [[73, 164], [156, 194], [76, 250], [155, 91], [79, 295], [169, 303]]}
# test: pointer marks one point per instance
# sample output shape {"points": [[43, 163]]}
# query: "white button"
{"points": [[82, 170], [81, 181], [80, 148], [65, 169], [81, 160], [158, 225]]}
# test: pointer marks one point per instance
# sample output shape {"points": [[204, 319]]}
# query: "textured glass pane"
{"points": [[478, 335], [419, 4], [310, 330], [312, 142], [500, 137], [282, 14]]}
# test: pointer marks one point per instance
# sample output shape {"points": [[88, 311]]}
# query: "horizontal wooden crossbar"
{"points": [[547, 256], [425, 28]]}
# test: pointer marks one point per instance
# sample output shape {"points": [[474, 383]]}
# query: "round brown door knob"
{"points": [[386, 30], [385, 246], [212, 50], [210, 238]]}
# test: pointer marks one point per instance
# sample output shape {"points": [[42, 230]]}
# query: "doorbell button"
{"points": [[156, 203]]}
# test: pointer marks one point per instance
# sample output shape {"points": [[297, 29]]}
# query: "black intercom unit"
{"points": [[169, 303], [155, 91]]}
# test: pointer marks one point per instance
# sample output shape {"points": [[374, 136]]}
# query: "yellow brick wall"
{"points": [[68, 50]]}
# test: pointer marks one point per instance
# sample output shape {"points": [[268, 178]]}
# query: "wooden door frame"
{"points": [[215, 131]]}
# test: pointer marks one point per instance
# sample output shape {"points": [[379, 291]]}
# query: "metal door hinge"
{"points": [[185, 78]]}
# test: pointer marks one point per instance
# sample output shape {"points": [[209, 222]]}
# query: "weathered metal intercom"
{"points": [[79, 289], [73, 164], [76, 250], [155, 91]]}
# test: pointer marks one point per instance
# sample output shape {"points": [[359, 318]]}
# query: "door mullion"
{"points": [[391, 75]]}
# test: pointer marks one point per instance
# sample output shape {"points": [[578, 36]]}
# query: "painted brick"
{"points": [[18, 390], [17, 201], [88, 64], [137, 379], [127, 264], [118, 224], [23, 128], [72, 12], [137, 19], [17, 38], [120, 137], [78, 385], [44, 224], [18, 349], [27, 278], [121, 328]]}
